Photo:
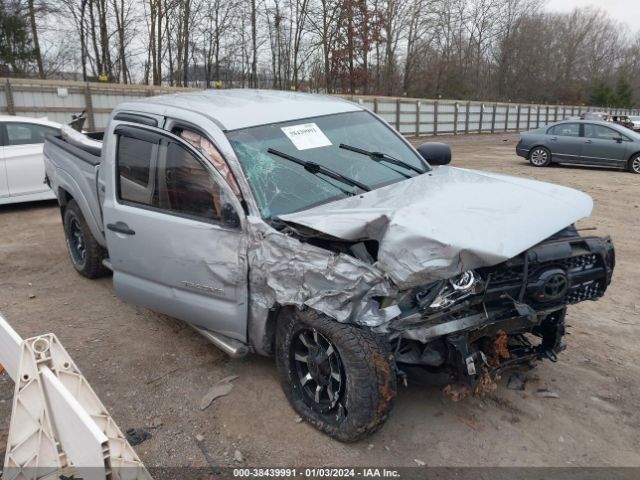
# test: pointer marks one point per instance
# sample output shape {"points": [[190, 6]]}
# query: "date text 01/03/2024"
{"points": [[315, 473]]}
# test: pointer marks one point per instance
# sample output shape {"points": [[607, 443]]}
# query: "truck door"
{"points": [[174, 233]]}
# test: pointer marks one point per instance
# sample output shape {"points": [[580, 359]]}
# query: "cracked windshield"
{"points": [[283, 185]]}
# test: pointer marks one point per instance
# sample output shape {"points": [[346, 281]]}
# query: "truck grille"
{"points": [[585, 276]]}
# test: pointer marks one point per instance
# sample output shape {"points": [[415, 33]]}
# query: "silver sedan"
{"points": [[582, 142]]}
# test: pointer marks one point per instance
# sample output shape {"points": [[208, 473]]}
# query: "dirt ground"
{"points": [[152, 371]]}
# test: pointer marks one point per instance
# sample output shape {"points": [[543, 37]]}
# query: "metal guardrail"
{"points": [[57, 100]]}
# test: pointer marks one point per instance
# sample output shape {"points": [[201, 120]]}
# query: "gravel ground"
{"points": [[151, 371]]}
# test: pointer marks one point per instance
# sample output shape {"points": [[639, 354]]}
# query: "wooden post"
{"points": [[398, 115], [466, 118], [417, 118], [8, 93], [529, 117], [546, 116], [555, 114], [88, 105], [375, 105], [518, 118], [481, 115], [493, 118], [455, 118], [506, 120], [538, 116], [435, 118]]}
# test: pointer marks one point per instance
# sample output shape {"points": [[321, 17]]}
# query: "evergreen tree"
{"points": [[16, 49], [624, 93], [601, 95]]}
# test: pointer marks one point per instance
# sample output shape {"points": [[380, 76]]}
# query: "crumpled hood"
{"points": [[449, 220]]}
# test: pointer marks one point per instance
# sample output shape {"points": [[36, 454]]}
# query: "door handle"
{"points": [[554, 138], [120, 227], [587, 141]]}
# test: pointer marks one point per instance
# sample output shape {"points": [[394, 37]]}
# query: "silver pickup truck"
{"points": [[304, 227]]}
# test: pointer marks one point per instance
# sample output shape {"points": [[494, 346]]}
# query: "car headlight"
{"points": [[452, 291]]}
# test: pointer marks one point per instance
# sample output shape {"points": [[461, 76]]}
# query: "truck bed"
{"points": [[72, 162]]}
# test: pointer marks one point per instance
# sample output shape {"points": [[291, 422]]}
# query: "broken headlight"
{"points": [[445, 293]]}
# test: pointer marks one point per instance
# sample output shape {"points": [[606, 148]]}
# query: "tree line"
{"points": [[503, 50]]}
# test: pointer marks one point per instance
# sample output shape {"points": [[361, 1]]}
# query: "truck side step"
{"points": [[230, 346], [107, 263]]}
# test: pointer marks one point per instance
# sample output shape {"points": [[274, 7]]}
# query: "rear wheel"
{"points": [[338, 377], [85, 252], [540, 157], [634, 163]]}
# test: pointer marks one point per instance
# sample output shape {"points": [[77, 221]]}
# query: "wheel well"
{"points": [[64, 198], [633, 155], [269, 333], [536, 146]]}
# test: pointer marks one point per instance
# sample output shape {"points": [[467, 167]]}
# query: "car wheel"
{"points": [[634, 163], [339, 377], [540, 157], [85, 252]]}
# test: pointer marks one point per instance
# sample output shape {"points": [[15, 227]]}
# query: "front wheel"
{"points": [[634, 163], [540, 157], [338, 377]]}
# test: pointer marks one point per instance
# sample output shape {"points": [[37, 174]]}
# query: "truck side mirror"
{"points": [[229, 217], [435, 153]]}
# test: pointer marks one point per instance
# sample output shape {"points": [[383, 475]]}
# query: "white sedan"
{"points": [[21, 163]]}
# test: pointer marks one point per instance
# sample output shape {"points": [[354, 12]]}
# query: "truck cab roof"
{"points": [[234, 109]]}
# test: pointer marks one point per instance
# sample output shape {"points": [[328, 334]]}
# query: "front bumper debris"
{"points": [[519, 316]]}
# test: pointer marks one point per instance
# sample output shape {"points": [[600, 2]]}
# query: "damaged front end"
{"points": [[473, 284], [481, 322]]}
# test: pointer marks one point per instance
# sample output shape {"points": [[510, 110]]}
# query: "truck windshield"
{"points": [[280, 186]]}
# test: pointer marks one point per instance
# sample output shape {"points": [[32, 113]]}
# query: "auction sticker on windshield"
{"points": [[306, 136]]}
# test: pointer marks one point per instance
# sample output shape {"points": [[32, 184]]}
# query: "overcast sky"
{"points": [[627, 11]]}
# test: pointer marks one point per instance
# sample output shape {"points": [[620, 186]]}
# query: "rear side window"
{"points": [[134, 162], [565, 130], [167, 177], [27, 133], [134, 159]]}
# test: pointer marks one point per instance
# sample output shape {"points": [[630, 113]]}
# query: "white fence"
{"points": [[57, 100], [415, 117]]}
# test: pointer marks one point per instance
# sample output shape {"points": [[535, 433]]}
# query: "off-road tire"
{"points": [[540, 157], [634, 164], [369, 375], [91, 265]]}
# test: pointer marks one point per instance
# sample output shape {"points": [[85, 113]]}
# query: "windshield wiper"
{"points": [[383, 157], [318, 169]]}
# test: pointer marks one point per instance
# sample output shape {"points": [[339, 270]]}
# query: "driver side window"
{"points": [[160, 173], [185, 187], [600, 132]]}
